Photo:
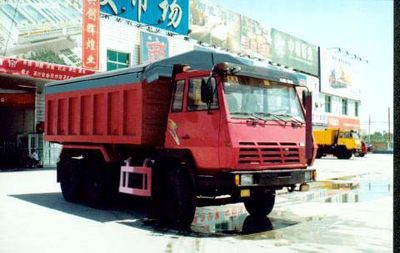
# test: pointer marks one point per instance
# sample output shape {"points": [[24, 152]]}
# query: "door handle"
{"points": [[185, 136]]}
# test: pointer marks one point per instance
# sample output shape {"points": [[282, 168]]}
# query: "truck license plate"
{"points": [[245, 193]]}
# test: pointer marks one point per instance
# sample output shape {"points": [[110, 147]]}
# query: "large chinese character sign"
{"points": [[171, 15], [90, 34]]}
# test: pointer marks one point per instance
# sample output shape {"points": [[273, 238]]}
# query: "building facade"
{"points": [[114, 34], [332, 76]]}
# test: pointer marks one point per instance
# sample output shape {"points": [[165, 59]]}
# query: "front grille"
{"points": [[268, 153]]}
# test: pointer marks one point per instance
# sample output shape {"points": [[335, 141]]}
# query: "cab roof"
{"points": [[198, 59]]}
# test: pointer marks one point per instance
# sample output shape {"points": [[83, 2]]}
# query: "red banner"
{"points": [[41, 70], [26, 100], [90, 34]]}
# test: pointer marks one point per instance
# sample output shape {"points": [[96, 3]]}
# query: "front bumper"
{"points": [[268, 179]]}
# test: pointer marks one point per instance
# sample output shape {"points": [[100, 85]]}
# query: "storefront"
{"points": [[22, 108]]}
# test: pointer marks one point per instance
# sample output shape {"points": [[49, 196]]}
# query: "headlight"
{"points": [[246, 179], [310, 175], [307, 176]]}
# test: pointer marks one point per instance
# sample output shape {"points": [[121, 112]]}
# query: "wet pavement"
{"points": [[349, 209]]}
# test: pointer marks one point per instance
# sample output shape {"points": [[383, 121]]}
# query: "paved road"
{"points": [[348, 210]]}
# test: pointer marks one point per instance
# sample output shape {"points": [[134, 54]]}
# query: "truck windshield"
{"points": [[249, 97], [355, 135]]}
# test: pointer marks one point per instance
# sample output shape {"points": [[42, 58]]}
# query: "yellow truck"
{"points": [[338, 142]]}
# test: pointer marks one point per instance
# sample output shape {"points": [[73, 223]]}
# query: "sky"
{"points": [[362, 27]]}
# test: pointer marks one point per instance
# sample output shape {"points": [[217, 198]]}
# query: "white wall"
{"points": [[118, 36], [336, 106], [124, 37]]}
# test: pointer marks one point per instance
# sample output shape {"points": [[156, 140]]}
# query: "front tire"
{"points": [[260, 204], [177, 200]]}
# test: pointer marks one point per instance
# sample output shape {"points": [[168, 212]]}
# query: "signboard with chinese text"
{"points": [[340, 74], [42, 70], [255, 39], [214, 25], [171, 15], [294, 53], [153, 47], [25, 100], [90, 34], [344, 123]]}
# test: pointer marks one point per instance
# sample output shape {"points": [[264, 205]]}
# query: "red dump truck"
{"points": [[200, 125]]}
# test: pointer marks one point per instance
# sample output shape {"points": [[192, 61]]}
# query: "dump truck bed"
{"points": [[128, 106], [130, 112], [325, 137]]}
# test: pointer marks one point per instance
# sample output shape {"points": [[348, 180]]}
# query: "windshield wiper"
{"points": [[252, 115], [277, 118], [256, 115], [292, 118]]}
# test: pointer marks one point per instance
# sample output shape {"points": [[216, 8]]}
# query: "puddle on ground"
{"points": [[233, 219], [356, 189]]}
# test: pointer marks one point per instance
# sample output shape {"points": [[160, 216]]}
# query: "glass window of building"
{"points": [[117, 60], [344, 106], [327, 103], [356, 109]]}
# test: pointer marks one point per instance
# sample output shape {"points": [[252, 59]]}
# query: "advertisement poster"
{"points": [[214, 25], [153, 47], [90, 34], [255, 39], [293, 52], [340, 74], [171, 15]]}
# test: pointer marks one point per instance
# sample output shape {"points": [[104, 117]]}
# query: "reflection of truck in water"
{"points": [[339, 78], [340, 143], [168, 133]]}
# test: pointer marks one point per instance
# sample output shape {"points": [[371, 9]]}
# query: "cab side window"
{"points": [[177, 102], [194, 102]]}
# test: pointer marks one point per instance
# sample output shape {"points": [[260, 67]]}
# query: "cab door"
{"points": [[191, 124]]}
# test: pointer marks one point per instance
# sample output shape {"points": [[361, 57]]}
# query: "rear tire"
{"points": [[343, 153], [100, 184], [319, 154], [177, 200], [260, 204], [70, 179]]}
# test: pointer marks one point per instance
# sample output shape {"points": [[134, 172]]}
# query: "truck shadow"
{"points": [[134, 213]]}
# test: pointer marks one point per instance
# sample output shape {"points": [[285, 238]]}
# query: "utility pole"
{"points": [[369, 128], [389, 127]]}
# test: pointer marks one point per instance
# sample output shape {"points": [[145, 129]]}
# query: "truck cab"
{"points": [[350, 139], [247, 135]]}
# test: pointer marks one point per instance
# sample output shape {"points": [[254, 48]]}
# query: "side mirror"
{"points": [[207, 91]]}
